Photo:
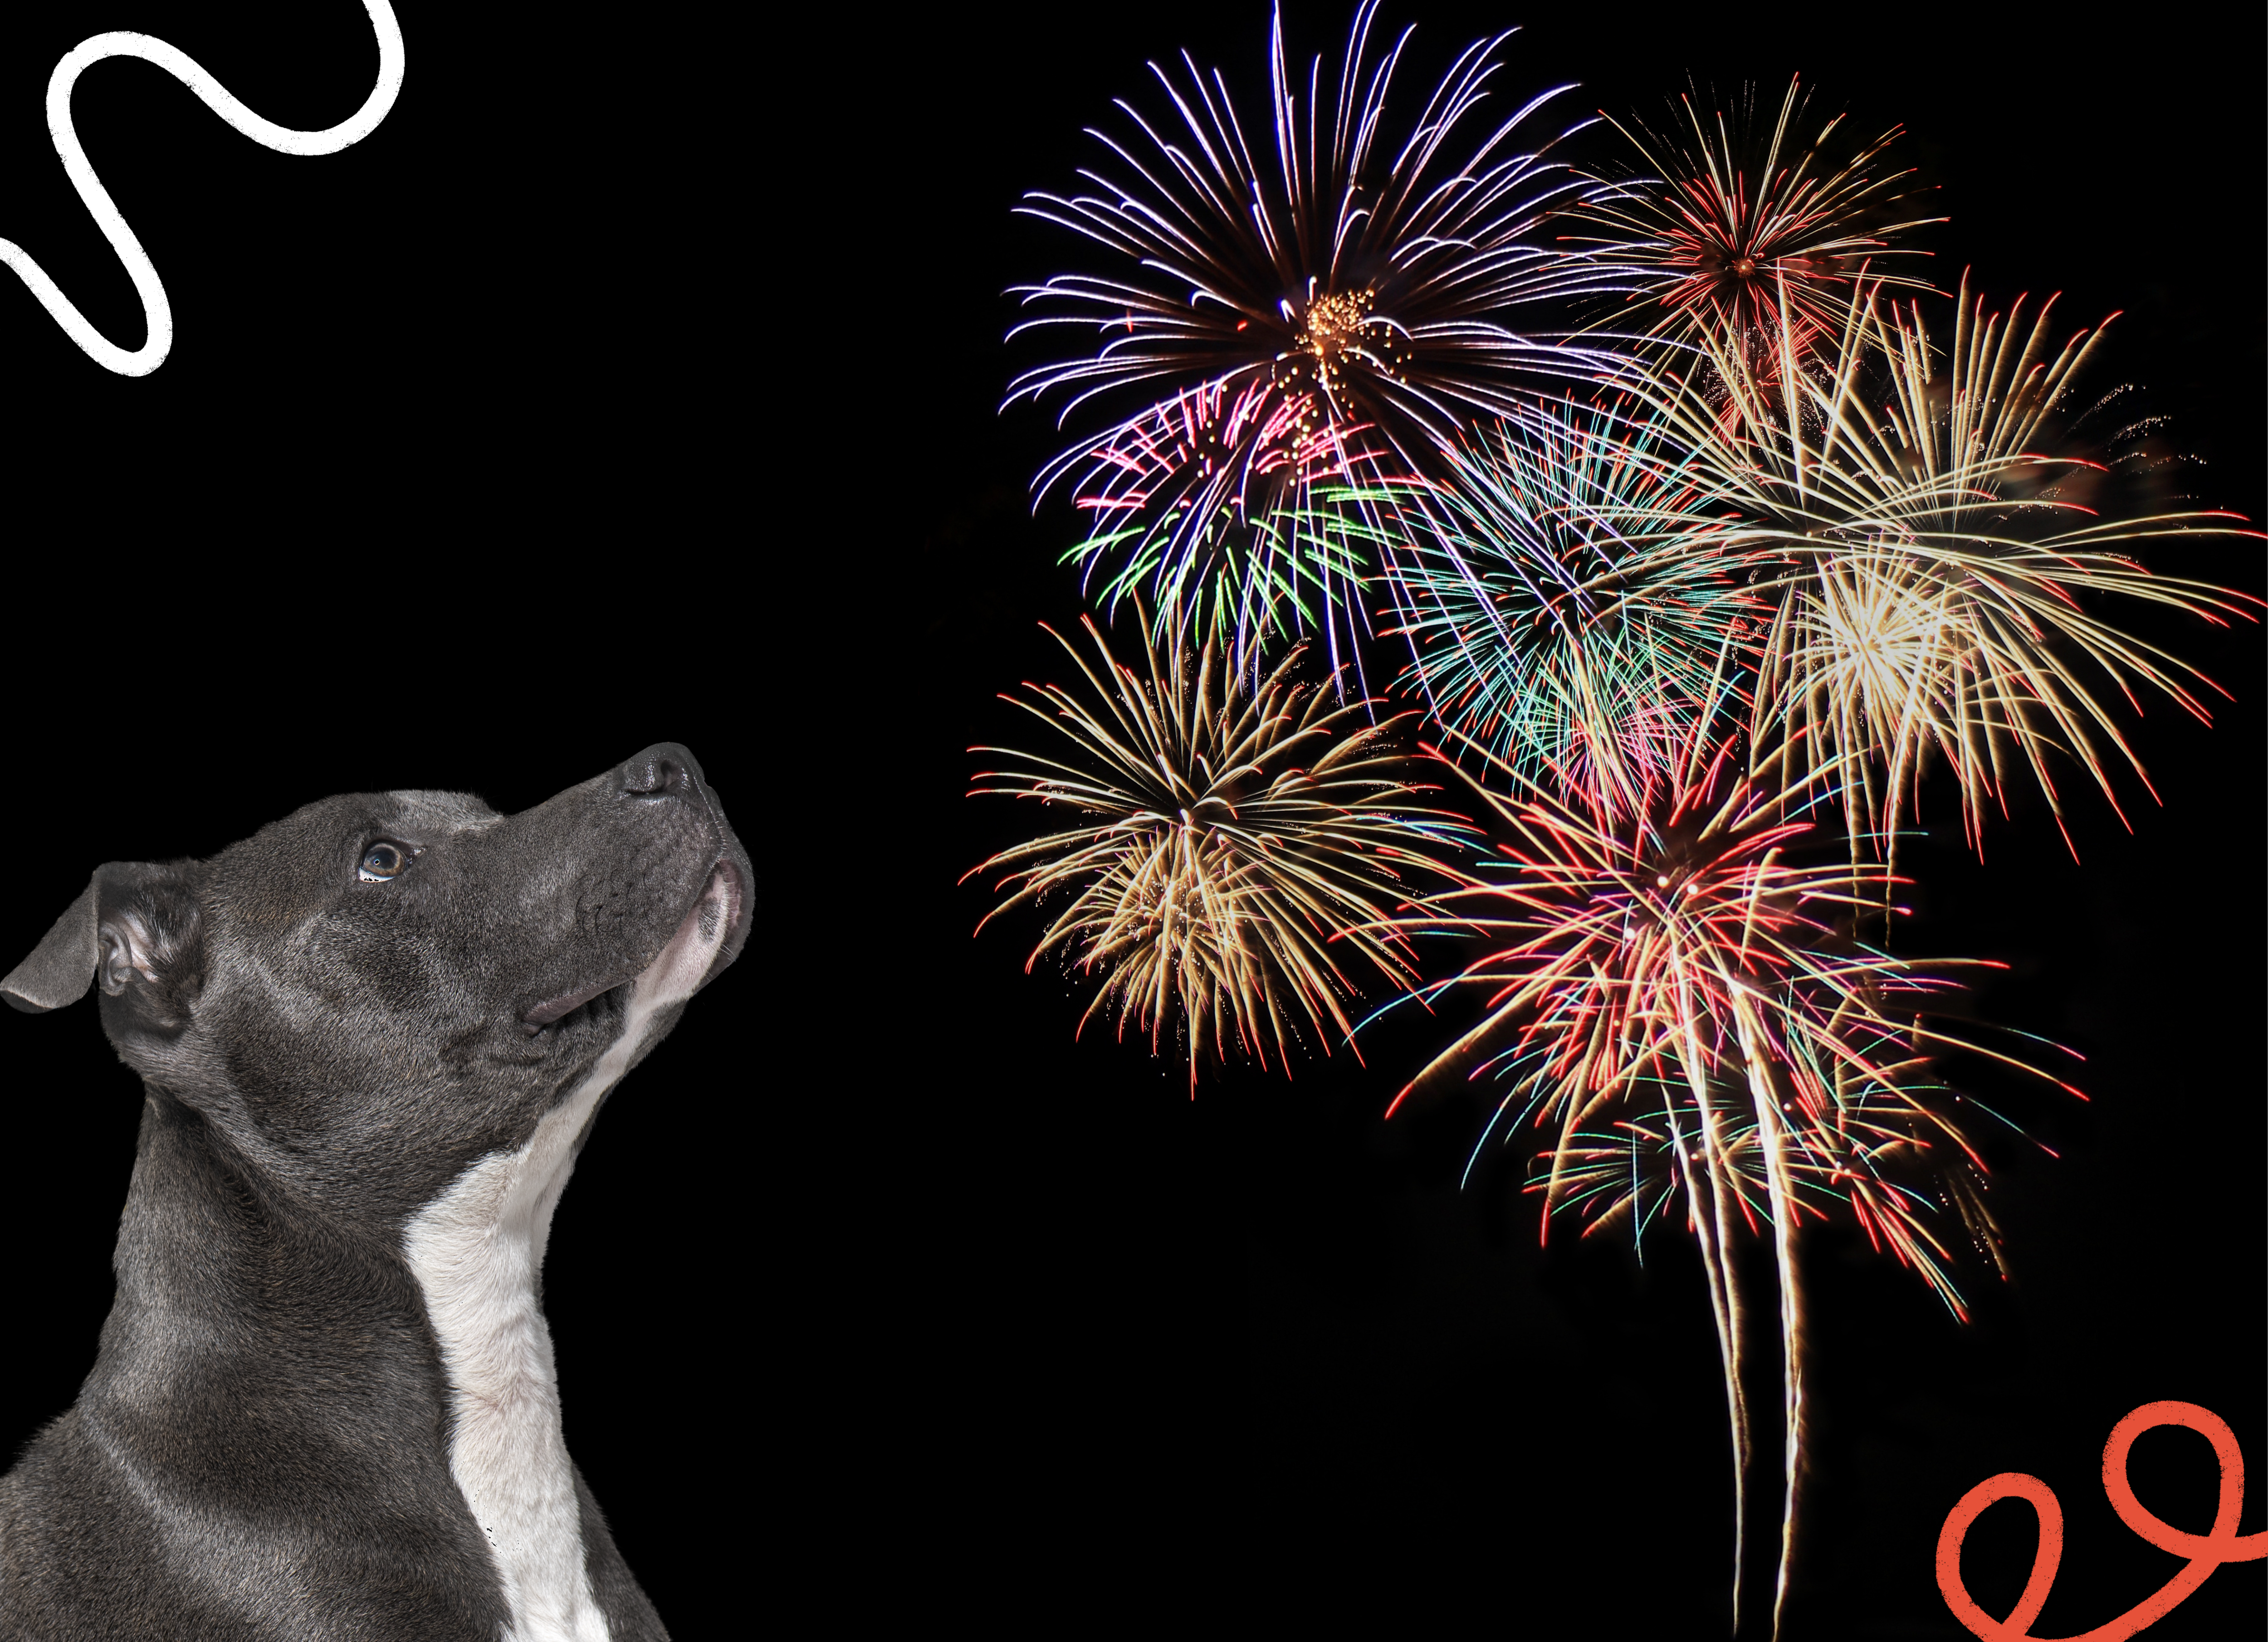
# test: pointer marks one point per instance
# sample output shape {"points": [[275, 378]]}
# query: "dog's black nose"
{"points": [[662, 770]]}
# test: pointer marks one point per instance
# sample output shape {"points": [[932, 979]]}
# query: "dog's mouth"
{"points": [[553, 1011], [704, 943]]}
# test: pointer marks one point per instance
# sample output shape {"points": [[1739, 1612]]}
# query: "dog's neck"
{"points": [[247, 1334], [231, 1302]]}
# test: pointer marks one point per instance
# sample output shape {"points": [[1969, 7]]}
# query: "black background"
{"points": [[631, 382]]}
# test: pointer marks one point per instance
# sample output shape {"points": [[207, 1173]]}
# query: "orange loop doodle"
{"points": [[2206, 1551]]}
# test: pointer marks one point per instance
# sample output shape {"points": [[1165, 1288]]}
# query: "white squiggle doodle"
{"points": [[157, 312]]}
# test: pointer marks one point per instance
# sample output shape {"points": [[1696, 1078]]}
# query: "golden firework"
{"points": [[1235, 846], [1939, 598]]}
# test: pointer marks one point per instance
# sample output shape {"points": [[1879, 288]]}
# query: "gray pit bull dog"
{"points": [[373, 1039]]}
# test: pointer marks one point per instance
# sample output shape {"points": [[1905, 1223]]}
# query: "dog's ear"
{"points": [[61, 967], [133, 927]]}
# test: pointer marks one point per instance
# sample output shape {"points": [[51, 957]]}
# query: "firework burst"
{"points": [[1679, 1002], [1747, 235], [1234, 851], [1940, 599], [1222, 500], [1283, 321], [1566, 608]]}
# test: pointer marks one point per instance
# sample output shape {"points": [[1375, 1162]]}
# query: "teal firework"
{"points": [[1568, 603]]}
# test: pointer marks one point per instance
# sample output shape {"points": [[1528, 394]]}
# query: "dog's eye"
{"points": [[381, 861]]}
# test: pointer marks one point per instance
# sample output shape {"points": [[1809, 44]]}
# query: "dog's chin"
{"points": [[704, 944], [706, 941]]}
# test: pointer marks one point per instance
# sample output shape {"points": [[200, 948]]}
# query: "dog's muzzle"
{"points": [[715, 925]]}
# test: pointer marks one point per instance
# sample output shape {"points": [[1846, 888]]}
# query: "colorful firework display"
{"points": [[1671, 506]]}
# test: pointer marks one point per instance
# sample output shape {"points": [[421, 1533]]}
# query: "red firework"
{"points": [[1740, 236]]}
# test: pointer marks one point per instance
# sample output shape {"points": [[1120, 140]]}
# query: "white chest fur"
{"points": [[475, 1251]]}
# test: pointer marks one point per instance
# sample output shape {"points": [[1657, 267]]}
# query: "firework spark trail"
{"points": [[1278, 323], [1681, 996], [1227, 837]]}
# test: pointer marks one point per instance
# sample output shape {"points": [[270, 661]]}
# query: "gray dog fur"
{"points": [[323, 1405]]}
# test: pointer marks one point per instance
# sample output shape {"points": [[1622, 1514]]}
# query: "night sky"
{"points": [[603, 397]]}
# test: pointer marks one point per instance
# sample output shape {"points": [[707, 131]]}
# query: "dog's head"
{"points": [[369, 994]]}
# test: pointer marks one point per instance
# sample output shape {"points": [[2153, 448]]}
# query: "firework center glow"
{"points": [[1331, 329]]}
